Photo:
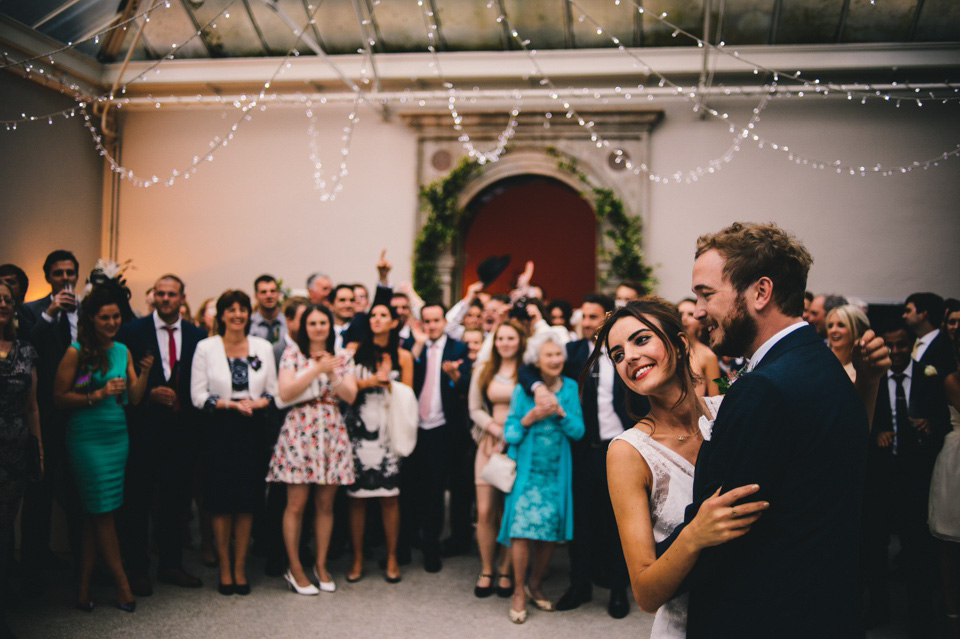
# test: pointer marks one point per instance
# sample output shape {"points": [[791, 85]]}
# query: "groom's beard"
{"points": [[738, 331]]}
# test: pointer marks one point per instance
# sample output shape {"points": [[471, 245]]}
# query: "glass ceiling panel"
{"points": [[614, 20], [231, 36], [29, 11], [686, 14], [277, 33], [882, 22], [939, 21], [743, 22], [175, 28], [809, 22], [338, 27], [401, 26], [472, 26]]}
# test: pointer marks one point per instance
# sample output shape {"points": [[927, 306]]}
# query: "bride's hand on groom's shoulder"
{"points": [[721, 519]]}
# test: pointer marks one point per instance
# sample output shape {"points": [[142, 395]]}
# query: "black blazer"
{"points": [[139, 336], [795, 425], [453, 396], [940, 354], [45, 337], [578, 351], [926, 401]]}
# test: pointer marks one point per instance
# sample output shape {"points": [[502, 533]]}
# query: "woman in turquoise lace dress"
{"points": [[95, 378], [538, 513]]}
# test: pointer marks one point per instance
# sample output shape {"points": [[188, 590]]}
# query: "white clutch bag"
{"points": [[500, 471]]}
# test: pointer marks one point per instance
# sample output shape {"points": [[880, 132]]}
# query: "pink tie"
{"points": [[426, 393]]}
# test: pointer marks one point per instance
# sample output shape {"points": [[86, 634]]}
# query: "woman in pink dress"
{"points": [[489, 400]]}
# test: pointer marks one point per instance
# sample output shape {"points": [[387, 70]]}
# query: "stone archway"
{"points": [[536, 134]]}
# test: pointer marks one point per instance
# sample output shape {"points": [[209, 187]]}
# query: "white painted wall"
{"points": [[50, 183], [879, 238], [253, 209]]}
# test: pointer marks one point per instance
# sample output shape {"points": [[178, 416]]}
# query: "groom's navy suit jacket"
{"points": [[796, 426]]}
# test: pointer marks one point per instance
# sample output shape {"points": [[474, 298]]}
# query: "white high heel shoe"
{"points": [[309, 589], [325, 586]]}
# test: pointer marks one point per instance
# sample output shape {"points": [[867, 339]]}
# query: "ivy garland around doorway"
{"points": [[439, 200]]}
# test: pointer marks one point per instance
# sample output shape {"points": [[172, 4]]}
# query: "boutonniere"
{"points": [[930, 371], [255, 362], [725, 382]]}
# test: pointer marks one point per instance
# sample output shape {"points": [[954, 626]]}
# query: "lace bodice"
{"points": [[670, 494]]}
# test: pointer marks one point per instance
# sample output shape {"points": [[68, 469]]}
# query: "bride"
{"points": [[650, 466]]}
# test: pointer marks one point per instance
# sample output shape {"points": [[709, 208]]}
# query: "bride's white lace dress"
{"points": [[670, 494]]}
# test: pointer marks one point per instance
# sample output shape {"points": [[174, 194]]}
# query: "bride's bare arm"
{"points": [[655, 581]]}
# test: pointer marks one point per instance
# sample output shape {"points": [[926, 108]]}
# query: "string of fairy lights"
{"points": [[451, 95]]}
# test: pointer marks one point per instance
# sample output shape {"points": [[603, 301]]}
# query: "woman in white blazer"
{"points": [[234, 380]]}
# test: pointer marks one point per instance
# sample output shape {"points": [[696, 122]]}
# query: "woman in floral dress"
{"points": [[313, 449]]}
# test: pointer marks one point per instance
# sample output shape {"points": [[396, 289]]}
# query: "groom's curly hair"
{"points": [[751, 251]]}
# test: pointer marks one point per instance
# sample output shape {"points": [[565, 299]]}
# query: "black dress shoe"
{"points": [[140, 586], [482, 592], [431, 562], [241, 589], [619, 605], [226, 589], [573, 597], [178, 577]]}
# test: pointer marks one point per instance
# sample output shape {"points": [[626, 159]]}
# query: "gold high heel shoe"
{"points": [[541, 604]]}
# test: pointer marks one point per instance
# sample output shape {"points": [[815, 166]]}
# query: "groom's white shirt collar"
{"points": [[767, 345]]}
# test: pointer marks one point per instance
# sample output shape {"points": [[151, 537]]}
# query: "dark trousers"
{"points": [[595, 552], [439, 460], [158, 479], [38, 497]]}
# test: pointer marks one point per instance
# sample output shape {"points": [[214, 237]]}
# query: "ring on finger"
{"points": [[734, 510]]}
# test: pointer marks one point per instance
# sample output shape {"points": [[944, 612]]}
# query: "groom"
{"points": [[792, 423]]}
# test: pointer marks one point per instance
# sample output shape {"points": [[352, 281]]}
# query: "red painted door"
{"points": [[534, 218]]}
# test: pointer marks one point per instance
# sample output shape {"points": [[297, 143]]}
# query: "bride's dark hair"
{"points": [[661, 317]]}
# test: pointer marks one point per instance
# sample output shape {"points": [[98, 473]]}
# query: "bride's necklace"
{"points": [[680, 437]]}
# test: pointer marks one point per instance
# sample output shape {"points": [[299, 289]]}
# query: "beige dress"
{"points": [[489, 414]]}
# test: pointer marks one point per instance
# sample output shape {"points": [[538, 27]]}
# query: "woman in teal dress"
{"points": [[538, 512], [95, 378]]}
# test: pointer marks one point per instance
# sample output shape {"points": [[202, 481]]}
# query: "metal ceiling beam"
{"points": [[197, 28], [313, 23], [256, 27], [376, 26], [69, 66], [365, 37], [436, 20], [329, 65], [111, 43], [916, 20], [775, 21], [598, 64], [568, 41], [53, 14], [844, 12], [505, 38], [638, 25]]}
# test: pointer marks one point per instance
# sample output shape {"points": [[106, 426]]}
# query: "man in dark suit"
{"points": [[445, 450], [595, 552], [909, 424], [793, 424], [163, 440], [55, 329], [923, 313]]}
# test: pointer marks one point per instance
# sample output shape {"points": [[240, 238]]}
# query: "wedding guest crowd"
{"points": [[309, 415]]}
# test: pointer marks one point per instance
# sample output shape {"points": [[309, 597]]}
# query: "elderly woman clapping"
{"points": [[538, 512]]}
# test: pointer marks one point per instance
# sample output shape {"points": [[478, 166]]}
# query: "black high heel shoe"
{"points": [[482, 592], [504, 592], [129, 606]]}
